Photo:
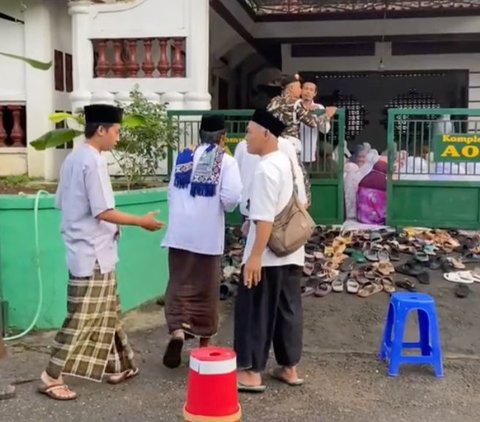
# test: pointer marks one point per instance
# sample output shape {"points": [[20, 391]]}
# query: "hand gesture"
{"points": [[330, 111], [150, 223], [252, 271]]}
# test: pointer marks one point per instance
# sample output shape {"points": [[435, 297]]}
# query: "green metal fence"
{"points": [[326, 173], [434, 168]]}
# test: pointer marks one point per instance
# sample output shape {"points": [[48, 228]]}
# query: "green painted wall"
{"points": [[142, 271]]}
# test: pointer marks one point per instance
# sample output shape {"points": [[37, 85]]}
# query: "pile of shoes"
{"points": [[360, 262], [232, 261]]}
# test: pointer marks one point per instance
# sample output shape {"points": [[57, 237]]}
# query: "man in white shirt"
{"points": [[248, 162], [268, 305], [206, 184], [309, 135]]}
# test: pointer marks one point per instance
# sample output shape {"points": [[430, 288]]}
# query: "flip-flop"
{"points": [[407, 285], [369, 290], [337, 284], [353, 286], [242, 388], [356, 255], [275, 374], [429, 250], [410, 268], [421, 256], [371, 255], [470, 258], [7, 392], [457, 264], [307, 291], [124, 376], [462, 291], [322, 290], [308, 268], [173, 354], [476, 275], [50, 392], [387, 284], [459, 277], [435, 263], [383, 255], [423, 278], [375, 237]]}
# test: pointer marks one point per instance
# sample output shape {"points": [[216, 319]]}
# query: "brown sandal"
{"points": [[50, 391], [123, 376], [369, 290]]}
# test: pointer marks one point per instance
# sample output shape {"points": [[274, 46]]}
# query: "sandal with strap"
{"points": [[369, 290], [123, 376], [51, 391]]}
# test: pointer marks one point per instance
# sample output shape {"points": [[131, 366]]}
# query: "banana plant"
{"points": [[75, 123], [34, 63]]}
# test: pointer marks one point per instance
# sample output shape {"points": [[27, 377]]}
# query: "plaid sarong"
{"points": [[91, 342]]}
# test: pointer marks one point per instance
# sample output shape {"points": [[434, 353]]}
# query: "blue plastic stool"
{"points": [[401, 304]]}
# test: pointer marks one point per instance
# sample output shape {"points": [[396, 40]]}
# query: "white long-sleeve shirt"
{"points": [[197, 224], [248, 162], [309, 136]]}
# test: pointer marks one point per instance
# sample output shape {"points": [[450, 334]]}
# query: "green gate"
{"points": [[327, 181], [434, 168]]}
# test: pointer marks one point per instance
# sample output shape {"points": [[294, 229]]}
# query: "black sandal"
{"points": [[407, 285], [173, 354], [462, 290]]}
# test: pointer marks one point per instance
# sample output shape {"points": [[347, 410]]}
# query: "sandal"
{"points": [[7, 392], [407, 285], [243, 388], [369, 290], [353, 286], [337, 284], [457, 264], [276, 375], [51, 390], [462, 291], [322, 289], [173, 354], [471, 258], [423, 278], [459, 277], [388, 286], [123, 376], [308, 268]]}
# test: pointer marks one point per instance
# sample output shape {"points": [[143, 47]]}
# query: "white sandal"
{"points": [[464, 277]]}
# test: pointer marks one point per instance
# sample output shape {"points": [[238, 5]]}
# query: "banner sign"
{"points": [[457, 147]]}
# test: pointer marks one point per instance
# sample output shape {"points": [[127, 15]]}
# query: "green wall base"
{"points": [[142, 270]]}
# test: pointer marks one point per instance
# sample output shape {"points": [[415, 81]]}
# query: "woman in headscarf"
{"points": [[372, 195], [351, 178]]}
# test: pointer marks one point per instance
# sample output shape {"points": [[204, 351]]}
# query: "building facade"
{"points": [[365, 55]]}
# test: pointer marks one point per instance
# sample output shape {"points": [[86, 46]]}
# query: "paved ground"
{"points": [[345, 382]]}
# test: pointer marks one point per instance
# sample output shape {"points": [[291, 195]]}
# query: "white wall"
{"points": [[142, 19], [12, 72], [469, 62]]}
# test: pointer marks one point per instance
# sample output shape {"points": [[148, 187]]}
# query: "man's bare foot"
{"points": [[288, 375], [250, 382], [204, 342], [55, 388], [249, 378]]}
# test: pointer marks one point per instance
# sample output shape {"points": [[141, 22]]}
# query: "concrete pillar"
{"points": [[82, 52], [198, 43], [39, 89]]}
